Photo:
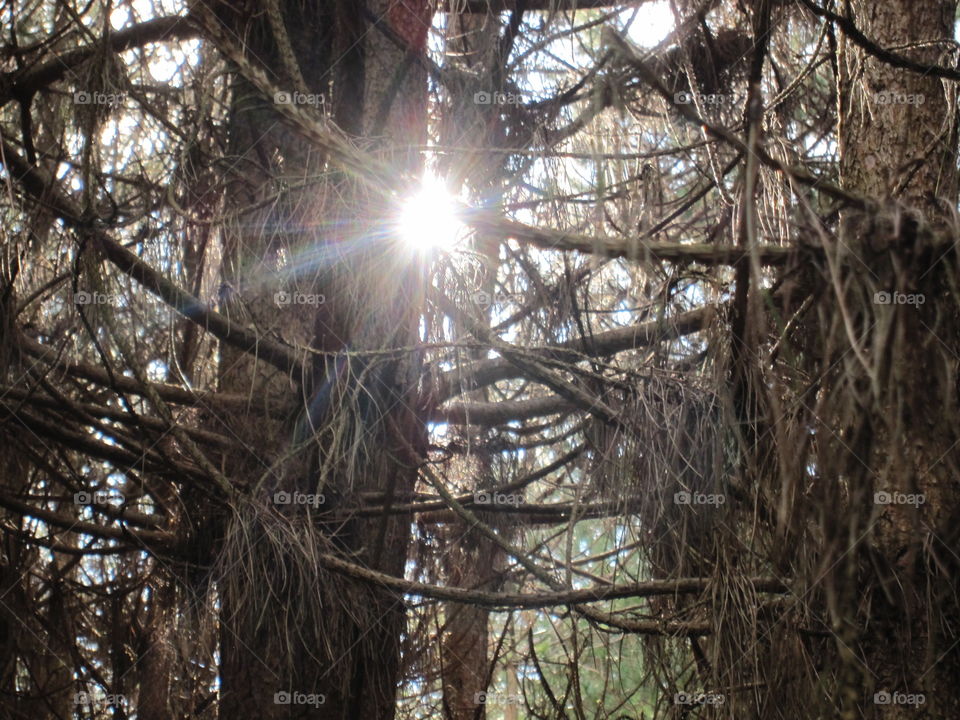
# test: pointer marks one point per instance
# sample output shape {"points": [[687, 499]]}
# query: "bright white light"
{"points": [[428, 218], [652, 24]]}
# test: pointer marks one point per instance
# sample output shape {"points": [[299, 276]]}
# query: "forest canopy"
{"points": [[479, 359]]}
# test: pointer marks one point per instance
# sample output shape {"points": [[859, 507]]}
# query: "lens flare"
{"points": [[428, 218]]}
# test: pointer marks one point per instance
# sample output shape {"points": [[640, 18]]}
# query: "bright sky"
{"points": [[428, 219], [653, 23]]}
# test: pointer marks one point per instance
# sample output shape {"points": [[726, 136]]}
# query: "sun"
{"points": [[428, 218]]}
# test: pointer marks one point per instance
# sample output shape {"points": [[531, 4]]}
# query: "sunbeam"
{"points": [[428, 218]]}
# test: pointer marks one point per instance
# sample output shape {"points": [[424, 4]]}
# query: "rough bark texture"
{"points": [[351, 658], [891, 145], [464, 655], [897, 145]]}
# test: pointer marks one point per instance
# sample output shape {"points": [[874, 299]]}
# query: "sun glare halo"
{"points": [[428, 218]]}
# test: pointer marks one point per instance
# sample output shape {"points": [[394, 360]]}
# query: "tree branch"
{"points": [[35, 77], [649, 588], [889, 57], [704, 253], [43, 188], [143, 538], [487, 372]]}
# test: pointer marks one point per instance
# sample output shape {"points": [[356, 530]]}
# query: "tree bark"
{"points": [[359, 439], [898, 140]]}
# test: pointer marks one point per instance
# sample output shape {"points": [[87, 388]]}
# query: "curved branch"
{"points": [[43, 188], [649, 588], [487, 372], [499, 413], [889, 57], [23, 83]]}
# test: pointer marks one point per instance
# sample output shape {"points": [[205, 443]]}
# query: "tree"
{"points": [[667, 428]]}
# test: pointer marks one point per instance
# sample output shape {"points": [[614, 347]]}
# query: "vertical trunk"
{"points": [[473, 561], [897, 144], [324, 242], [465, 667], [159, 696], [50, 657]]}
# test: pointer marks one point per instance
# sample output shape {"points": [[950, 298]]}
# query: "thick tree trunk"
{"points": [[898, 145], [162, 694], [325, 242]]}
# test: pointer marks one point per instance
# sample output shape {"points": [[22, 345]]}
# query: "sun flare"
{"points": [[428, 218]]}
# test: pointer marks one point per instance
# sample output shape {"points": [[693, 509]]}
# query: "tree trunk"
{"points": [[326, 242], [897, 145], [473, 559]]}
